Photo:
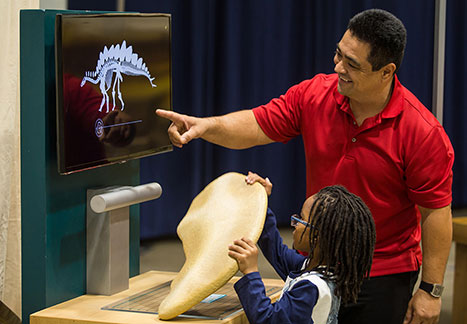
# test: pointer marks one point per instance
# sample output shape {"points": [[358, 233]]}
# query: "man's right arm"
{"points": [[237, 130]]}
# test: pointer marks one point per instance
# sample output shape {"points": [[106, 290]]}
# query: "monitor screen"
{"points": [[112, 72]]}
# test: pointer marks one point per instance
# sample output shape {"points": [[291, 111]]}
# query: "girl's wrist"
{"points": [[250, 270]]}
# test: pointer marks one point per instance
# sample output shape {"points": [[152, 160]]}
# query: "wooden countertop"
{"points": [[87, 308]]}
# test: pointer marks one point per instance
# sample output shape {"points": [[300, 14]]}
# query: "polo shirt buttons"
{"points": [[354, 139]]}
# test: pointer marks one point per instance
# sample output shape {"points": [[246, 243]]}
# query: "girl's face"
{"points": [[301, 231]]}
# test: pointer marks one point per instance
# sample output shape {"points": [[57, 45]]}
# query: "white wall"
{"points": [[53, 4]]}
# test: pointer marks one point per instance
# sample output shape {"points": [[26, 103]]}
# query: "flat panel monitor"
{"points": [[112, 72]]}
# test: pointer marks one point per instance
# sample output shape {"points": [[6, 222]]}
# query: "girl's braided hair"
{"points": [[343, 227]]}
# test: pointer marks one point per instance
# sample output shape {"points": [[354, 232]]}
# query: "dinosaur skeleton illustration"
{"points": [[116, 60]]}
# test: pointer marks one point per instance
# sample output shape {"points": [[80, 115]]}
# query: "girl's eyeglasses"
{"points": [[295, 219]]}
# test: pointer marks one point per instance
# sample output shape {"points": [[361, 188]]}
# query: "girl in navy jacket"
{"points": [[337, 231]]}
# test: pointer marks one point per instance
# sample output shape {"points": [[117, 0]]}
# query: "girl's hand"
{"points": [[253, 177], [246, 254]]}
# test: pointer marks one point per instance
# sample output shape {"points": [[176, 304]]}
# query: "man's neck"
{"points": [[371, 106]]}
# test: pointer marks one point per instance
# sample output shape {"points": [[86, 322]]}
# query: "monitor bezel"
{"points": [[63, 169]]}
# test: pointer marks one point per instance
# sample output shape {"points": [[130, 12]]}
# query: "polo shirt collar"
{"points": [[395, 104], [392, 109]]}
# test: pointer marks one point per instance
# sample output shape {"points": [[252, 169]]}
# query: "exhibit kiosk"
{"points": [[90, 82]]}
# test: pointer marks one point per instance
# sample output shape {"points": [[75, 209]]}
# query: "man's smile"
{"points": [[344, 79]]}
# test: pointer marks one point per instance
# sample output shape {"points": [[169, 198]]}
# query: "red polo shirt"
{"points": [[394, 161]]}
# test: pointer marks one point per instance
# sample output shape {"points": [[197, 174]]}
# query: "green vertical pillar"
{"points": [[53, 207]]}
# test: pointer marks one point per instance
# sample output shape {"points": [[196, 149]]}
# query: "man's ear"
{"points": [[387, 71]]}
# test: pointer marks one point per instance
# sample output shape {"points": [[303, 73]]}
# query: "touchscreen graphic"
{"points": [[116, 60]]}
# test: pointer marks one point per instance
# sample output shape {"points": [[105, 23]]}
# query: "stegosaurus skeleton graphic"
{"points": [[119, 60]]}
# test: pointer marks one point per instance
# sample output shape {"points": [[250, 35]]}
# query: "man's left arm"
{"points": [[436, 243]]}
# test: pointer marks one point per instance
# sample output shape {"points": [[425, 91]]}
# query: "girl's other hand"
{"points": [[246, 254], [252, 177]]}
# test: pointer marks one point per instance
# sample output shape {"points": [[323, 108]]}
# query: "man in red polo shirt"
{"points": [[362, 129]]}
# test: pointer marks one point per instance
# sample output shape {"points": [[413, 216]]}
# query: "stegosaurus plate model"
{"points": [[226, 210], [116, 60]]}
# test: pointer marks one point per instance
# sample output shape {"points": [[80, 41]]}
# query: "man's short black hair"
{"points": [[385, 34]]}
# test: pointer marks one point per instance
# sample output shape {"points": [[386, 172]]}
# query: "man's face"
{"points": [[357, 80]]}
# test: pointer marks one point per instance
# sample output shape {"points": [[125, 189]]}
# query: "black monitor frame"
{"points": [[63, 138]]}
